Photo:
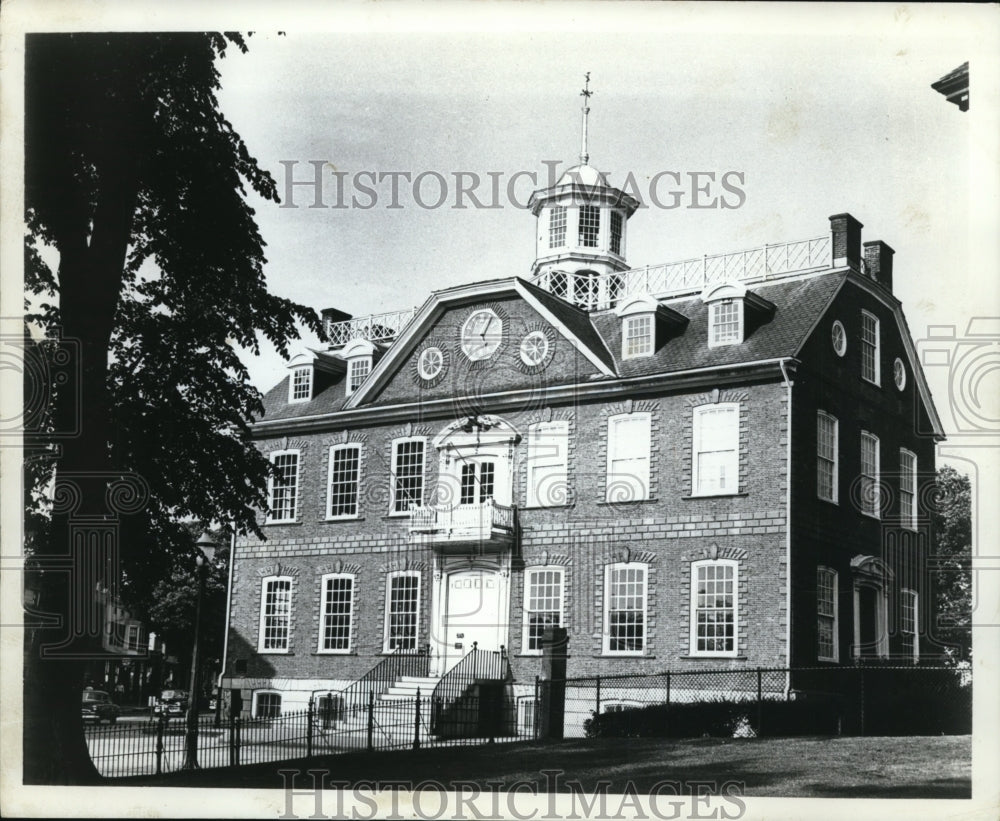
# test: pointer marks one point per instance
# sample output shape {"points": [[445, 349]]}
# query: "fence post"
{"points": [[371, 719], [668, 688], [597, 704], [416, 723], [861, 700], [160, 724], [760, 704], [310, 715], [232, 739]]}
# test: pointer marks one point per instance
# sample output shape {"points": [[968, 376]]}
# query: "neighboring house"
{"points": [[714, 463], [955, 86]]}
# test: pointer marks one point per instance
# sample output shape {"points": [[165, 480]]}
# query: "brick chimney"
{"points": [[846, 233], [334, 315], [878, 263]]}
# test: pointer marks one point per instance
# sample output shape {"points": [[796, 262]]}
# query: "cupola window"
{"points": [[590, 225], [557, 227], [615, 244]]}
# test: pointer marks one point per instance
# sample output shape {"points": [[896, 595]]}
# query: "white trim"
{"points": [[262, 620], [392, 473], [256, 697], [836, 613], [881, 618], [272, 455], [357, 482], [544, 348], [903, 593], [713, 307], [877, 476], [528, 572], [835, 487], [422, 367], [649, 337], [467, 341], [546, 436], [616, 441], [908, 518], [322, 614], [843, 338], [899, 374], [609, 569], [355, 362], [693, 613], [697, 413], [877, 365], [396, 574]]}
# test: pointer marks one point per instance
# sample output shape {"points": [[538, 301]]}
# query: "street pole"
{"points": [[206, 551]]}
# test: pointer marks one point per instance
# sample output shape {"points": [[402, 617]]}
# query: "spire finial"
{"points": [[584, 156]]}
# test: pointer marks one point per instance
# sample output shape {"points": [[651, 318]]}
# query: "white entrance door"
{"points": [[472, 614]]}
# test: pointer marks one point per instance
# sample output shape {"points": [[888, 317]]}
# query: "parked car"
{"points": [[171, 703], [97, 706]]}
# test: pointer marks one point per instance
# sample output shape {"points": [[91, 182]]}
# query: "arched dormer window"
{"points": [[645, 323], [733, 313], [359, 354], [300, 378]]}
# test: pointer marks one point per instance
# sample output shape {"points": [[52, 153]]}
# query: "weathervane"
{"points": [[584, 156]]}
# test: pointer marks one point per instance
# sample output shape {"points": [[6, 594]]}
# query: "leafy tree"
{"points": [[137, 182], [952, 527]]}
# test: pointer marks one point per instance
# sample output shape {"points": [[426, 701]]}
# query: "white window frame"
{"points": [[609, 571], [874, 346], [321, 647], [329, 483], [594, 230], [733, 463], [396, 443], [262, 628], [529, 572], [645, 342], [905, 594], [132, 637], [547, 465], [713, 328], [693, 648], [395, 574], [908, 518], [558, 211], [354, 363], [272, 456], [833, 616], [616, 216], [293, 384], [874, 477], [823, 460], [881, 618], [256, 702], [639, 466]]}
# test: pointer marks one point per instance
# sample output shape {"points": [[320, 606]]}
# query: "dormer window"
{"points": [[300, 389], [359, 355], [733, 313], [645, 323]]}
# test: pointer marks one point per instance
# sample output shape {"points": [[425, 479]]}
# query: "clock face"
{"points": [[482, 334]]}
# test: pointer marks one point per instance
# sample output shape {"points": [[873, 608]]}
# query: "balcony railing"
{"points": [[375, 327], [594, 293], [463, 522]]}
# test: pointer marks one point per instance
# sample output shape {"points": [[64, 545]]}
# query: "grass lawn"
{"points": [[878, 767]]}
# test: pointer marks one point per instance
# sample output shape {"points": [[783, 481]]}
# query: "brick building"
{"points": [[713, 463]]}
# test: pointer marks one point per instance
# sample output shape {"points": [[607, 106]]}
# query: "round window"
{"points": [[431, 362], [899, 373], [534, 348], [839, 337]]}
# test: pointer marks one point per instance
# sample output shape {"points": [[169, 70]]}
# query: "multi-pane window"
{"points": [[615, 243], [590, 225], [826, 614], [336, 608], [132, 637], [345, 465], [715, 452], [869, 347], [402, 607], [275, 614], [871, 494], [266, 705], [625, 608], [408, 474], [359, 370], [478, 479], [629, 444], [725, 322], [826, 456], [557, 227], [543, 603], [284, 486], [713, 608], [548, 444], [637, 336], [301, 385], [908, 489], [908, 624]]}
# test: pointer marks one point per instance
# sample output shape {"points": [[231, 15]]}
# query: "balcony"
{"points": [[486, 524]]}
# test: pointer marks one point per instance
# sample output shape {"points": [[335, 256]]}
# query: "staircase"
{"points": [[406, 687]]}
